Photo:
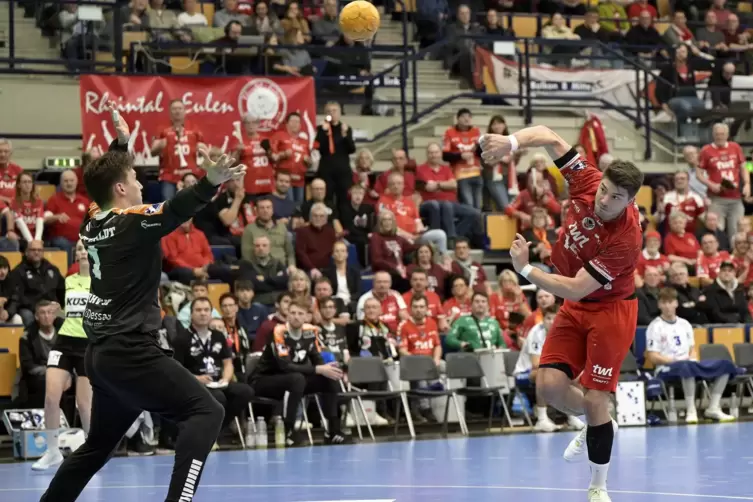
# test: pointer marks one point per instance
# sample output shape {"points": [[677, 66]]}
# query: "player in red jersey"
{"points": [[177, 147], [255, 152], [596, 255], [293, 154]]}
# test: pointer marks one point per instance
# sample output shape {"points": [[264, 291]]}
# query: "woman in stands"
{"points": [[299, 287], [26, 211], [495, 175], [509, 305], [66, 361]]}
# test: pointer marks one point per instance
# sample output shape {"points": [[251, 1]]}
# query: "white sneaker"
{"points": [[379, 420], [51, 458], [691, 417], [598, 495], [575, 423], [545, 425], [718, 414], [302, 425], [576, 448]]}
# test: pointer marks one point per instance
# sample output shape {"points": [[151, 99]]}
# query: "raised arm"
{"points": [[496, 146]]}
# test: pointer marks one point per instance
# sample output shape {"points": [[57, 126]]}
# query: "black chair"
{"points": [[415, 369], [744, 359], [363, 371], [718, 352], [467, 365], [511, 359], [629, 371]]}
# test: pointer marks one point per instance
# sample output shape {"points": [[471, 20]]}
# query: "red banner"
{"points": [[215, 106]]}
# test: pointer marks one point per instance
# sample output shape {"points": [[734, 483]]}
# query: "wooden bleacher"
{"points": [[701, 336], [55, 256], [9, 337], [45, 191]]}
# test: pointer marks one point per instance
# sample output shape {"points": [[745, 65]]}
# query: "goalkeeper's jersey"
{"points": [[76, 294]]}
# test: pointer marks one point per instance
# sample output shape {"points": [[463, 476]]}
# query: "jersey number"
{"points": [[96, 269], [183, 150], [261, 161]]}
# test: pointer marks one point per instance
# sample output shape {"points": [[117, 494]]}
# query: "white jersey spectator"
{"points": [[532, 347]]}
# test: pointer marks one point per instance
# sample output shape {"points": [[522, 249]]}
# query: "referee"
{"points": [[129, 372]]}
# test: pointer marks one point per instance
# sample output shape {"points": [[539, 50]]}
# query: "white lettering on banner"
{"points": [[96, 103]]}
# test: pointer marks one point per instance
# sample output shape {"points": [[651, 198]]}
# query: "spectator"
{"points": [[237, 338], [372, 336], [326, 29], [464, 265], [741, 257], [332, 335], [136, 15], [323, 289], [8, 307], [683, 199], [399, 163], [228, 13], [268, 275], [613, 16], [284, 207], [254, 149], [720, 87], [431, 20], [690, 299], [438, 190], [251, 314], [544, 299], [363, 173], [691, 156], [541, 239], [77, 35], [709, 260], [34, 350], [460, 302], [294, 21], [393, 308], [494, 175], [26, 211], [205, 353], [670, 339], [509, 306], [409, 224], [737, 40], [295, 62], [9, 172], [345, 278], [561, 54], [680, 246], [722, 169], [191, 15], [358, 219], [35, 279], [292, 154], [334, 139], [280, 243], [232, 211], [64, 214], [535, 195], [263, 21], [162, 22], [710, 37], [291, 366], [475, 331], [651, 257], [642, 39], [299, 286], [460, 150], [187, 256], [638, 7], [459, 51], [722, 15], [493, 27], [648, 296], [314, 242], [676, 90], [419, 287], [424, 259], [280, 314], [726, 302], [710, 225], [319, 195], [352, 60], [388, 250], [199, 289]]}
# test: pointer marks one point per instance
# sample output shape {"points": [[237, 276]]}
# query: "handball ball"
{"points": [[359, 20]]}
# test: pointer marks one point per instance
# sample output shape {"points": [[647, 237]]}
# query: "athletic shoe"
{"points": [[51, 458], [336, 438], [598, 495], [135, 447], [575, 423], [379, 420], [691, 417], [545, 425], [293, 439], [718, 414], [576, 448]]}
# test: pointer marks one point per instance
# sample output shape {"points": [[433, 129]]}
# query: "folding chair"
{"points": [[365, 371], [718, 352], [511, 359], [744, 359], [414, 369], [466, 365]]}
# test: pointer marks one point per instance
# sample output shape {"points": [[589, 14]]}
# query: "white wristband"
{"points": [[514, 145], [526, 270]]}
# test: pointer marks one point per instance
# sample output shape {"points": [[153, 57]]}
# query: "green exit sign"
{"points": [[61, 162]]}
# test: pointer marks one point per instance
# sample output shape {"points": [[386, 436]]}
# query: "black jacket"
{"points": [[32, 351], [725, 308], [336, 158], [268, 280], [6, 291], [31, 284], [352, 276], [689, 304], [671, 85], [357, 222], [648, 305]]}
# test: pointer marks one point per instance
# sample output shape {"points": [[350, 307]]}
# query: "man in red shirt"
{"points": [[438, 189], [393, 306], [683, 199], [64, 214], [596, 256], [254, 150], [399, 162], [722, 169], [460, 145], [419, 282], [177, 147], [8, 172], [188, 257], [709, 260], [292, 153], [651, 257]]}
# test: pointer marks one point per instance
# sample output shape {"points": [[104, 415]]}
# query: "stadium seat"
{"points": [[728, 337], [10, 334], [644, 198], [221, 251], [216, 290], [701, 336], [207, 8], [410, 6], [8, 372], [55, 256], [182, 65], [45, 191], [661, 27], [501, 230], [525, 26], [639, 344]]}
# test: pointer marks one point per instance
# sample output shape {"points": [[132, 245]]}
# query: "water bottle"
{"points": [[261, 434], [251, 436], [279, 433], [734, 404]]}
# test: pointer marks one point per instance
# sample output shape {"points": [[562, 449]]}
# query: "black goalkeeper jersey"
{"points": [[125, 260], [286, 354]]}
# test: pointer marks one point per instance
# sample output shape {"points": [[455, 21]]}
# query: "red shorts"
{"points": [[593, 338]]}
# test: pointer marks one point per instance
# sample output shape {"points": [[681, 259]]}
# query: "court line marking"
{"points": [[408, 487]]}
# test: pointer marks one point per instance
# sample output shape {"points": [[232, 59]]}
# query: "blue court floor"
{"points": [[686, 464]]}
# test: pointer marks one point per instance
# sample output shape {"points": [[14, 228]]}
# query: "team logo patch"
{"points": [[264, 100], [153, 209], [588, 223]]}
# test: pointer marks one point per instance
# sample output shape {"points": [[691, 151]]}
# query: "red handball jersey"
{"points": [[8, 177], [608, 250], [691, 204], [659, 261], [405, 211], [418, 339], [454, 308], [457, 141], [742, 264], [723, 163], [28, 211], [180, 154], [435, 304], [260, 173], [501, 306], [708, 266], [299, 147]]}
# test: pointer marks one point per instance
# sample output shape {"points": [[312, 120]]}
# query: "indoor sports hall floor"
{"points": [[684, 464]]}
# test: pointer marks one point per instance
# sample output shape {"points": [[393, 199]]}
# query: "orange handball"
{"points": [[359, 20]]}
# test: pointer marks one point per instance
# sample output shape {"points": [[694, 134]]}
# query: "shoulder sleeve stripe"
{"points": [[93, 209], [144, 209], [598, 273], [567, 160]]}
